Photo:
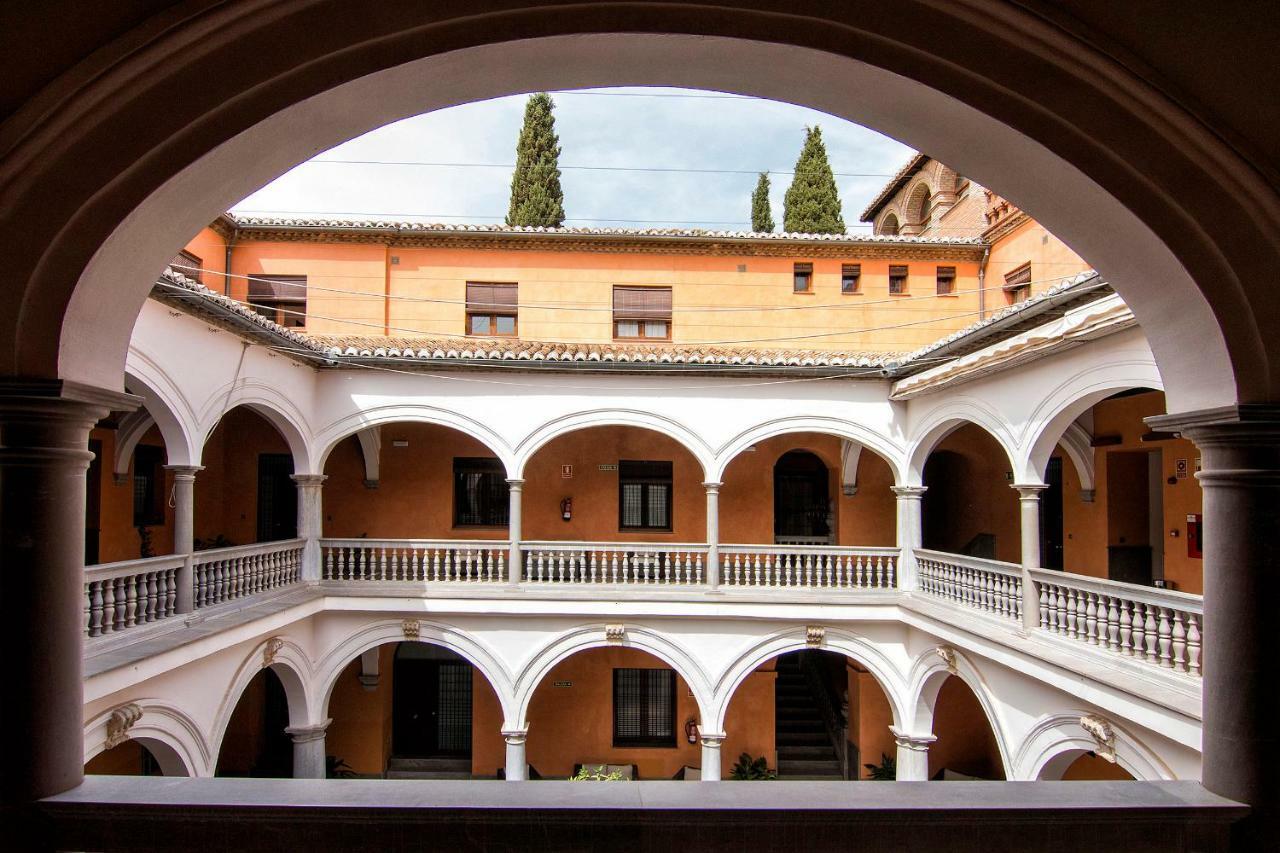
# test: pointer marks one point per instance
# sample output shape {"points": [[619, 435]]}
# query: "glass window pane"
{"points": [[655, 329], [632, 506], [628, 329], [657, 500], [506, 324], [479, 324]]}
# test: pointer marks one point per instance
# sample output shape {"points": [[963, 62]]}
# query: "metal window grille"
{"points": [[481, 496], [644, 495], [644, 707]]}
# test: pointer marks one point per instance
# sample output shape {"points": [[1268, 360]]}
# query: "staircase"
{"points": [[804, 747], [429, 768]]}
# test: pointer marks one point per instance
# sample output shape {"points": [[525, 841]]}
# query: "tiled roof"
{"points": [[670, 233], [512, 349], [172, 284], [895, 184]]}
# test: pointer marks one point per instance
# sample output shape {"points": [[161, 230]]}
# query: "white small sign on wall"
{"points": [[607, 467], [566, 472]]}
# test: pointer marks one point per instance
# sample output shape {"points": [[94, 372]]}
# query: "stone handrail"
{"points": [[1160, 626], [808, 566], [131, 592], [987, 585], [415, 560], [225, 574], [643, 563]]}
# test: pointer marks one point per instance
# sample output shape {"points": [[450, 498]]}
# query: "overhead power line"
{"points": [[579, 168]]}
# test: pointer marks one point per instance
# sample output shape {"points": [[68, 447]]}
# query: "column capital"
{"points": [[907, 740], [308, 733], [712, 486], [516, 483], [1029, 491], [184, 472], [515, 737], [909, 492], [711, 740], [1241, 424], [308, 479]]}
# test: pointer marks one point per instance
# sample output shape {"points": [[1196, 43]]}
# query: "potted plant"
{"points": [[752, 769], [885, 771]]}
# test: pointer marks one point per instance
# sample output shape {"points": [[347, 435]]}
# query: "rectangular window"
{"points": [[492, 309], [642, 313], [946, 281], [644, 707], [280, 298], [187, 264], [803, 278], [148, 485], [1017, 284], [481, 496], [897, 280], [850, 278], [644, 495]]}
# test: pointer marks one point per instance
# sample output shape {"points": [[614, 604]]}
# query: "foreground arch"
{"points": [[1056, 740]]}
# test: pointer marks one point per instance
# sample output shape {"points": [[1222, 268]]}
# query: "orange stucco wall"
{"points": [[118, 539], [226, 493], [243, 740], [869, 719], [1091, 767], [974, 494], [1051, 261], [122, 760], [965, 742]]}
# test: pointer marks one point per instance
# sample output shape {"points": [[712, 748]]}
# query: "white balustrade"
{"points": [[1159, 626], [415, 560], [133, 592], [225, 574], [987, 585], [614, 563], [808, 567]]}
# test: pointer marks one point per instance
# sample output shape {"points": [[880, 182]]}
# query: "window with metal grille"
{"points": [[187, 264], [148, 485], [644, 495], [850, 278], [946, 281], [481, 496], [280, 298], [642, 313], [644, 707], [802, 278], [897, 280], [492, 309], [1017, 284]]}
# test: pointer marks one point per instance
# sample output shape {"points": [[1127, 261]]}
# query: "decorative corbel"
{"points": [[119, 723], [1104, 736]]}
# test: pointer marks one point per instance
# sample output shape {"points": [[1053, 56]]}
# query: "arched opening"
{"points": [[128, 758], [1081, 765], [812, 715], [969, 507], [255, 742], [128, 508], [414, 710], [621, 708], [918, 210], [966, 746], [246, 493], [888, 225], [804, 512]]}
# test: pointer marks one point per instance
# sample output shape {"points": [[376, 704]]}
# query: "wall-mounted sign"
{"points": [[1180, 468], [400, 442], [607, 467], [566, 472], [562, 684]]}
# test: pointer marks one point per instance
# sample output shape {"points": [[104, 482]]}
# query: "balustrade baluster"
{"points": [[1193, 644], [130, 602], [1091, 619], [1179, 642], [1165, 633]]}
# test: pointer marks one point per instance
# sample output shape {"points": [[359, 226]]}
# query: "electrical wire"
{"points": [[575, 167]]}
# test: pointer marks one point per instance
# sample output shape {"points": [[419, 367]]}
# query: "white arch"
{"points": [[678, 432], [928, 672], [1072, 397], [291, 665], [266, 400], [795, 639], [1058, 739], [172, 736], [949, 417], [167, 407], [882, 446], [332, 434], [587, 637], [333, 662], [1077, 445]]}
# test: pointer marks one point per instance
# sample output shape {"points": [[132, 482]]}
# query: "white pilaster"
{"points": [[517, 769], [310, 522], [308, 750], [713, 536], [910, 533], [711, 756], [913, 755], [1029, 498], [184, 485], [515, 518]]}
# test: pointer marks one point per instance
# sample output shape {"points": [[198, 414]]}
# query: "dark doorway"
{"points": [[277, 498], [93, 505], [801, 499], [1128, 517], [948, 519], [431, 703], [1051, 517], [256, 743]]}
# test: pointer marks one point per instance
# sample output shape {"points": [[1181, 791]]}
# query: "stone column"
{"points": [[517, 769], [515, 520], [913, 755], [1029, 497], [1240, 476], [711, 757], [44, 454], [310, 522], [910, 533], [184, 508], [308, 750], [713, 536]]}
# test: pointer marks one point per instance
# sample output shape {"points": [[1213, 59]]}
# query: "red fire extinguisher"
{"points": [[566, 509]]}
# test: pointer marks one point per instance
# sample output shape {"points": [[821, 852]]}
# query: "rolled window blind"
{"points": [[486, 296], [641, 303]]}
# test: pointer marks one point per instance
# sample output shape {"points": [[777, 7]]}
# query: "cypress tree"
{"points": [[761, 216], [536, 197], [812, 205]]}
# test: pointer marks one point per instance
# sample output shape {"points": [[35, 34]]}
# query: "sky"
{"points": [[635, 128]]}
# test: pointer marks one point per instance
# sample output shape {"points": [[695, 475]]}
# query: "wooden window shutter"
{"points": [[487, 297], [1019, 277], [641, 303]]}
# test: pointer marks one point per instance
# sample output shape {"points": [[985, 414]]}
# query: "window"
{"points": [[481, 496], [644, 495], [897, 280], [1017, 284], [642, 312], [492, 309], [185, 263], [946, 281], [803, 278], [148, 485], [280, 298], [850, 278], [644, 707]]}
